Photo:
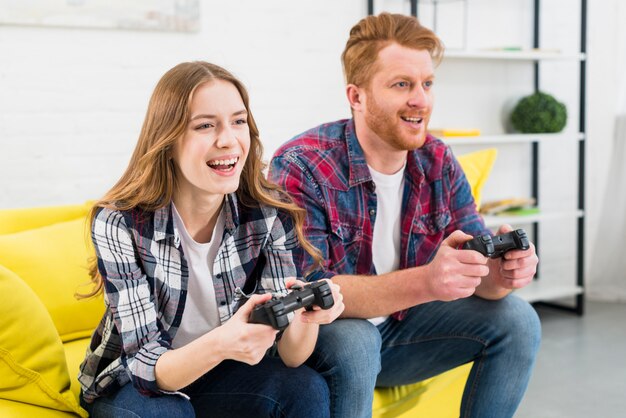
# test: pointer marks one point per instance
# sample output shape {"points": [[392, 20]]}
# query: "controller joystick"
{"points": [[497, 246], [275, 311], [482, 243]]}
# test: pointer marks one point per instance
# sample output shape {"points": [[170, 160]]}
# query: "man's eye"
{"points": [[402, 84], [428, 84]]}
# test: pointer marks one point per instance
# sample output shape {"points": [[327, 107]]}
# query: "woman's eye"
{"points": [[204, 126], [241, 122]]}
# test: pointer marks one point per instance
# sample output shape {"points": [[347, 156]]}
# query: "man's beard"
{"points": [[386, 126]]}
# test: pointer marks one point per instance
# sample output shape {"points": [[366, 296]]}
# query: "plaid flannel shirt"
{"points": [[145, 285], [325, 171]]}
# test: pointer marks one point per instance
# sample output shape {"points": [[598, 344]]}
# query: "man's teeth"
{"points": [[412, 120], [230, 161]]}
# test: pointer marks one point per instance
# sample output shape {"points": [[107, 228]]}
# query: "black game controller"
{"points": [[274, 311], [496, 246]]}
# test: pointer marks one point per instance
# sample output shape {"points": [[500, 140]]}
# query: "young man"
{"points": [[388, 206]]}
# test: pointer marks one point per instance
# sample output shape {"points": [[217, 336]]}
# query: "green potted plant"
{"points": [[539, 113]]}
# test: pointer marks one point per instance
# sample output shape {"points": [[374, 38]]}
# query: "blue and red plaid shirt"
{"points": [[325, 171]]}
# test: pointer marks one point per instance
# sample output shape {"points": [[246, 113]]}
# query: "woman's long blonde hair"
{"points": [[150, 178]]}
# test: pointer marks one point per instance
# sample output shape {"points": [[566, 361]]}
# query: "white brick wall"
{"points": [[72, 100]]}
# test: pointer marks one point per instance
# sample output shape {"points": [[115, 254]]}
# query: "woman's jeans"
{"points": [[501, 338], [232, 389]]}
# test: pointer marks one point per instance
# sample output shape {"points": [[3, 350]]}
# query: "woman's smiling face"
{"points": [[211, 154]]}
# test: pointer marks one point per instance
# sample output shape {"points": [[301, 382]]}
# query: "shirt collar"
{"points": [[164, 223], [231, 212], [360, 172], [164, 219]]}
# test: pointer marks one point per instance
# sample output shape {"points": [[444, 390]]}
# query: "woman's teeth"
{"points": [[223, 164]]}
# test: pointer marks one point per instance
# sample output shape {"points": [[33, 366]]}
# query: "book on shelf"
{"points": [[516, 206], [445, 132], [513, 48]]}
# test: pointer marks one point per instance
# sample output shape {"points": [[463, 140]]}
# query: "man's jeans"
{"points": [[232, 389], [501, 337]]}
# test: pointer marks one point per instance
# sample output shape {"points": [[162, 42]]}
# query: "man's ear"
{"points": [[355, 96]]}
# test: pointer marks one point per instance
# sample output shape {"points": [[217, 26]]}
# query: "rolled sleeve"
{"points": [[130, 299]]}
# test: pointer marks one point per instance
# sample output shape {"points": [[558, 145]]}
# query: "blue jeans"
{"points": [[501, 337], [232, 389]]}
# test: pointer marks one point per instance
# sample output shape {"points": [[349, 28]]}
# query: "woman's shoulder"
{"points": [[133, 218]]}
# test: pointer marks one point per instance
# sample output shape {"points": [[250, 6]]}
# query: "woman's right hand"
{"points": [[243, 341]]}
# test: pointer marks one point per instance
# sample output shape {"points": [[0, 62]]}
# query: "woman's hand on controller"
{"points": [[243, 341], [319, 315]]}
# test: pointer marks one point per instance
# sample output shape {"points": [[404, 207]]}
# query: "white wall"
{"points": [[72, 100]]}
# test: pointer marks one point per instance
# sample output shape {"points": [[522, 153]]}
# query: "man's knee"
{"points": [[349, 344], [521, 323]]}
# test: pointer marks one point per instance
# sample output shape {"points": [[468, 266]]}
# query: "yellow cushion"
{"points": [[477, 167], [439, 396], [10, 409], [74, 355], [32, 360], [16, 220], [52, 260]]}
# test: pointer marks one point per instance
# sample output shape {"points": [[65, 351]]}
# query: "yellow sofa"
{"points": [[44, 330]]}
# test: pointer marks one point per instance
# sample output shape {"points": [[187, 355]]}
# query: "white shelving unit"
{"points": [[512, 138], [530, 55], [545, 289], [495, 221], [508, 66]]}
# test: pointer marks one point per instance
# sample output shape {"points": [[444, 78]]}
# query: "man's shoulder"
{"points": [[320, 152], [322, 139]]}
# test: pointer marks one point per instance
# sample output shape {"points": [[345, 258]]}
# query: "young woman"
{"points": [[191, 230]]}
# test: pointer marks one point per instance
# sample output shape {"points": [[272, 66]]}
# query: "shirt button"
{"points": [[218, 275], [372, 212], [222, 302]]}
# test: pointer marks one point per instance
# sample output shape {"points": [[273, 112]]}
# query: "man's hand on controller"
{"points": [[516, 268], [455, 274], [318, 315]]}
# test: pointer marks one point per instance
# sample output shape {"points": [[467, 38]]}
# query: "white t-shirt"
{"points": [[386, 235], [200, 315]]}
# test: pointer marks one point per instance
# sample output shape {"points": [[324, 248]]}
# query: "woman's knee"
{"points": [[314, 400], [128, 403]]}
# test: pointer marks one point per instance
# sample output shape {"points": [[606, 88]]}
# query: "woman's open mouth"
{"points": [[224, 166]]}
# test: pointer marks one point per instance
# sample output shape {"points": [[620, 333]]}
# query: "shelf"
{"points": [[542, 289], [528, 55], [511, 138], [494, 221]]}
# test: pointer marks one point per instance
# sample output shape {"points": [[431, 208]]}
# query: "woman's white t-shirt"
{"points": [[200, 315]]}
